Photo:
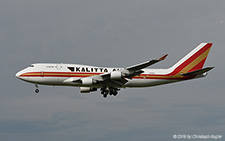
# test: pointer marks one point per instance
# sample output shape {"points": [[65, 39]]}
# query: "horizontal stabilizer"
{"points": [[197, 72]]}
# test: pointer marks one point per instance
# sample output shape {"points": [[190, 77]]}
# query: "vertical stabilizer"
{"points": [[194, 60]]}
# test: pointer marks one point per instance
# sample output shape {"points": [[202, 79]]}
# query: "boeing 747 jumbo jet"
{"points": [[111, 80]]}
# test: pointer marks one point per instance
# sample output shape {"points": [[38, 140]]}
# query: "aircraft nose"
{"points": [[18, 74]]}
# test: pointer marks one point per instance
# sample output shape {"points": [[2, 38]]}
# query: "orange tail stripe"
{"points": [[206, 48]]}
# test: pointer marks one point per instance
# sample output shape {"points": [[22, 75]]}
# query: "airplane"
{"points": [[111, 80]]}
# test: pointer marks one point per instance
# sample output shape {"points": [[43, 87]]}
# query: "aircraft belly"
{"points": [[47, 80], [147, 82]]}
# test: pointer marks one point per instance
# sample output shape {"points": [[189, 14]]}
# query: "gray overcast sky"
{"points": [[110, 33]]}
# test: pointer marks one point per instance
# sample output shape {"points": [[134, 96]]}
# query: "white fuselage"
{"points": [[56, 74]]}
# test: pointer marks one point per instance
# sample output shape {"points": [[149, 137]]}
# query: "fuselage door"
{"points": [[58, 66], [42, 73]]}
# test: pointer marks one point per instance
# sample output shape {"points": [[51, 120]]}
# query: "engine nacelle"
{"points": [[87, 81], [116, 75], [87, 89]]}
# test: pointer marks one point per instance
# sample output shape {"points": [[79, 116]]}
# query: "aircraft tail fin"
{"points": [[193, 61]]}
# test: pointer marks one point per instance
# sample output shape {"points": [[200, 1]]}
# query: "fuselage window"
{"points": [[71, 68]]}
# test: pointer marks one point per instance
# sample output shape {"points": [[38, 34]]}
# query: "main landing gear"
{"points": [[109, 91], [36, 90]]}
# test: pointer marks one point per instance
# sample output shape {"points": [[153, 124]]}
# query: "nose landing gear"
{"points": [[36, 90]]}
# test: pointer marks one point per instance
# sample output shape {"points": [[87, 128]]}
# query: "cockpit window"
{"points": [[31, 66]]}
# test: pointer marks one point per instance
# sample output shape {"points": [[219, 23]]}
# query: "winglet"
{"points": [[163, 57]]}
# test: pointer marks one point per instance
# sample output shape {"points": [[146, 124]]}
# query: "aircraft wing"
{"points": [[145, 64], [116, 78], [119, 78]]}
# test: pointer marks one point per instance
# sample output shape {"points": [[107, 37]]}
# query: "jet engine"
{"points": [[87, 81], [116, 75], [87, 89]]}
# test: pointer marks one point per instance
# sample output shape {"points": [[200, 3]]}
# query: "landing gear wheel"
{"points": [[115, 93], [105, 94], [36, 90]]}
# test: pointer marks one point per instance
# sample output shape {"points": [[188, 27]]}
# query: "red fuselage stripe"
{"points": [[74, 74]]}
